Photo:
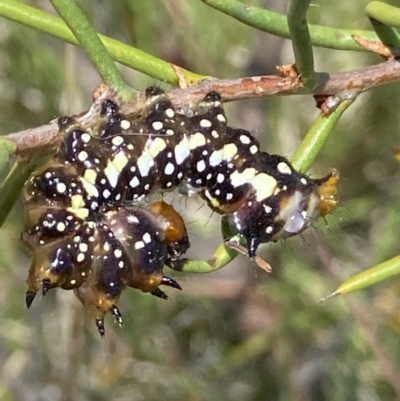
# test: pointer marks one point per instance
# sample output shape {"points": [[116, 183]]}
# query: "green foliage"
{"points": [[238, 333]]}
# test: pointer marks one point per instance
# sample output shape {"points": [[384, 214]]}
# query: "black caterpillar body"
{"points": [[87, 222]]}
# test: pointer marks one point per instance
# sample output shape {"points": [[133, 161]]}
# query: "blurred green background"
{"points": [[240, 333]]}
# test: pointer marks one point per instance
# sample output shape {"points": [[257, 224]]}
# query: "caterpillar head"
{"points": [[288, 212]]}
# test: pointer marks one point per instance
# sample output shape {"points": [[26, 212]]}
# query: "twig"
{"points": [[301, 41], [382, 17], [89, 40], [121, 52], [317, 136], [344, 84], [276, 24]]}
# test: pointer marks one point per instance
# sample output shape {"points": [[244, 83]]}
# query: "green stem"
{"points": [[121, 52], [11, 187], [381, 16], [317, 136], [7, 149], [276, 24], [301, 41], [222, 256], [89, 40], [369, 277]]}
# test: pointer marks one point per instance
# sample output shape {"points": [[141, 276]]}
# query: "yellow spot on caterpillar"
{"points": [[90, 176], [77, 202], [264, 186], [196, 140]]}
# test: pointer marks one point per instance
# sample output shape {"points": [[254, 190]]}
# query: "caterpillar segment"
{"points": [[88, 222]]}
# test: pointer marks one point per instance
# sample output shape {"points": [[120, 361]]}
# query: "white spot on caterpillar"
{"points": [[303, 181], [117, 140], [147, 187], [180, 175], [244, 139], [170, 131], [144, 163], [146, 238], [197, 140], [134, 182], [157, 125], [106, 246], [61, 187], [169, 113], [253, 149], [132, 220], [220, 178], [284, 168], [268, 209], [269, 229], [82, 156], [61, 226], [139, 245], [169, 169], [221, 118], [182, 150], [83, 247], [112, 174], [106, 193], [73, 282], [121, 264], [205, 123], [209, 175], [125, 124], [229, 196], [130, 146], [201, 166], [216, 157], [86, 138], [80, 258], [118, 253], [83, 274], [214, 134]]}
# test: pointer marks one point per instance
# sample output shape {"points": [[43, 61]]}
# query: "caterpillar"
{"points": [[88, 221]]}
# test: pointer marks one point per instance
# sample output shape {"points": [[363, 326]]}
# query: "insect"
{"points": [[88, 223]]}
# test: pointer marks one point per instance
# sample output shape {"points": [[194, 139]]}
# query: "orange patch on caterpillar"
{"points": [[328, 192]]}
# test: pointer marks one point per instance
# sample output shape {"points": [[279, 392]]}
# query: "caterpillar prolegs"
{"points": [[88, 222]]}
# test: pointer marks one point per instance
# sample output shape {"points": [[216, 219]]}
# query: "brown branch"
{"points": [[344, 84]]}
